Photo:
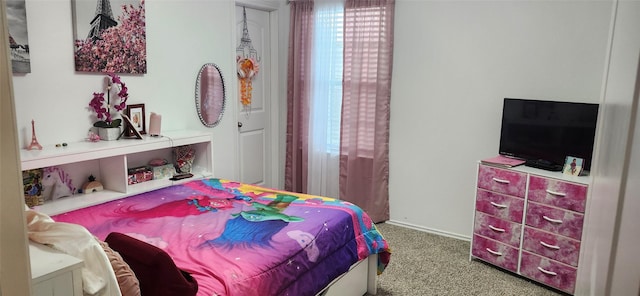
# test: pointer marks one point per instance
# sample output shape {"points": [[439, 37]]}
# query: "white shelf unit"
{"points": [[53, 272], [108, 161]]}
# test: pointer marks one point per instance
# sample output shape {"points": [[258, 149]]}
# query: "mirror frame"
{"points": [[208, 76]]}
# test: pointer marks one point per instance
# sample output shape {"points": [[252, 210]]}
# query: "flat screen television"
{"points": [[544, 133]]}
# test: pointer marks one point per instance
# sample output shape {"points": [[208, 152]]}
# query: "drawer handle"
{"points": [[546, 271], [498, 205], [494, 252], [496, 229], [550, 246], [500, 180], [552, 220], [555, 193]]}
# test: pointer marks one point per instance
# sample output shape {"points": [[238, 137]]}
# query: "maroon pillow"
{"points": [[157, 273]]}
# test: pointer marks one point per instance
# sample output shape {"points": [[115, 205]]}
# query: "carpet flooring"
{"points": [[428, 264]]}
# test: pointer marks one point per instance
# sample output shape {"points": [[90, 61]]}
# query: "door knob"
{"points": [[239, 124]]}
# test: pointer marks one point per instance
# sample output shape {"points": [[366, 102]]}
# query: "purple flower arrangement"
{"points": [[102, 107]]}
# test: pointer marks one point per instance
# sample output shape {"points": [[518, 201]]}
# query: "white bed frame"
{"points": [[361, 278]]}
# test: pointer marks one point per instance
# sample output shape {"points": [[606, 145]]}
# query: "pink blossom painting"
{"points": [[110, 36]]}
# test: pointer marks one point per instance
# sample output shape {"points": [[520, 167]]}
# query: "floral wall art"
{"points": [[18, 36], [110, 36]]}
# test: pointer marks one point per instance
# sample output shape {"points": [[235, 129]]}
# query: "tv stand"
{"points": [[543, 164]]}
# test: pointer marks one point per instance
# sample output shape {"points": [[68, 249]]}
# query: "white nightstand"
{"points": [[53, 272]]}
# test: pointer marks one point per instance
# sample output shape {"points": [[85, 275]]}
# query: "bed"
{"points": [[241, 239]]}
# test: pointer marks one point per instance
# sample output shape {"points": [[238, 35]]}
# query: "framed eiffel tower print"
{"points": [[109, 36]]}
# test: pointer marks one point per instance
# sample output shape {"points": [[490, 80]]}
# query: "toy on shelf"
{"points": [[93, 136], [34, 142], [92, 186], [56, 184]]}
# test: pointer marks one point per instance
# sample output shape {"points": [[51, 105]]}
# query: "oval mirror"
{"points": [[210, 95]]}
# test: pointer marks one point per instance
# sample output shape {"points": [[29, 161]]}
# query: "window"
{"points": [[335, 27], [327, 60]]}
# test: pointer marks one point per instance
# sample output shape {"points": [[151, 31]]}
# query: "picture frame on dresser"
{"points": [[573, 166]]}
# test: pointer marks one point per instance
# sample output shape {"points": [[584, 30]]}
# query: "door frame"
{"points": [[273, 125], [16, 268]]}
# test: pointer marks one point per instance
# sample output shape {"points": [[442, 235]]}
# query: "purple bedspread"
{"points": [[239, 239]]}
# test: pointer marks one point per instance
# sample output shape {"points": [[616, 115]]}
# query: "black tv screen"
{"points": [[544, 133]]}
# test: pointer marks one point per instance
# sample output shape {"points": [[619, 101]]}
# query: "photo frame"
{"points": [[137, 117], [573, 166], [129, 128]]}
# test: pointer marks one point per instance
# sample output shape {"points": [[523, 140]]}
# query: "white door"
{"points": [[255, 142]]}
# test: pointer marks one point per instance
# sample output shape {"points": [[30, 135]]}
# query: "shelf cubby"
{"points": [[109, 161]]}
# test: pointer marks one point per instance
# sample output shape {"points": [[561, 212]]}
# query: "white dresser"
{"points": [[54, 273]]}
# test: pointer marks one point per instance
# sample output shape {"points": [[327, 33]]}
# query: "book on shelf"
{"points": [[502, 161]]}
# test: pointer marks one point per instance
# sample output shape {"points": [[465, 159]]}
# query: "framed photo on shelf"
{"points": [[129, 128], [573, 166], [138, 119]]}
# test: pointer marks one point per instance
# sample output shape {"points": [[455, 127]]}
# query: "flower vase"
{"points": [[109, 133]]}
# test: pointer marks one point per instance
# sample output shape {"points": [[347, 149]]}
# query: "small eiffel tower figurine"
{"points": [[34, 142]]}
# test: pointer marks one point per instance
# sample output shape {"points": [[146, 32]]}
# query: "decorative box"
{"points": [[163, 171], [139, 174], [32, 181], [183, 156]]}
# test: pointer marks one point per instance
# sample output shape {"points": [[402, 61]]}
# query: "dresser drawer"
{"points": [[502, 181], [495, 253], [499, 205], [555, 220], [558, 193], [498, 229], [552, 246], [549, 272]]}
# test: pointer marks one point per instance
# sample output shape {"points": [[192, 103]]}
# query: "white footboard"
{"points": [[360, 279]]}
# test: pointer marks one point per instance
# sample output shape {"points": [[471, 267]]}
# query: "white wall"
{"points": [[454, 62], [181, 37], [612, 220], [625, 275]]}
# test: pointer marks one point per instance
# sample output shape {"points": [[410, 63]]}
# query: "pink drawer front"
{"points": [[555, 220], [553, 246], [548, 272], [499, 205], [558, 193], [495, 253], [498, 229], [502, 181]]}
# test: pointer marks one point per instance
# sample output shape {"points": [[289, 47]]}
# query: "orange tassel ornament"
{"points": [[247, 70]]}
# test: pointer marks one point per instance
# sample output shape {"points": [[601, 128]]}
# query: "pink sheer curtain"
{"points": [[298, 94], [368, 60]]}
